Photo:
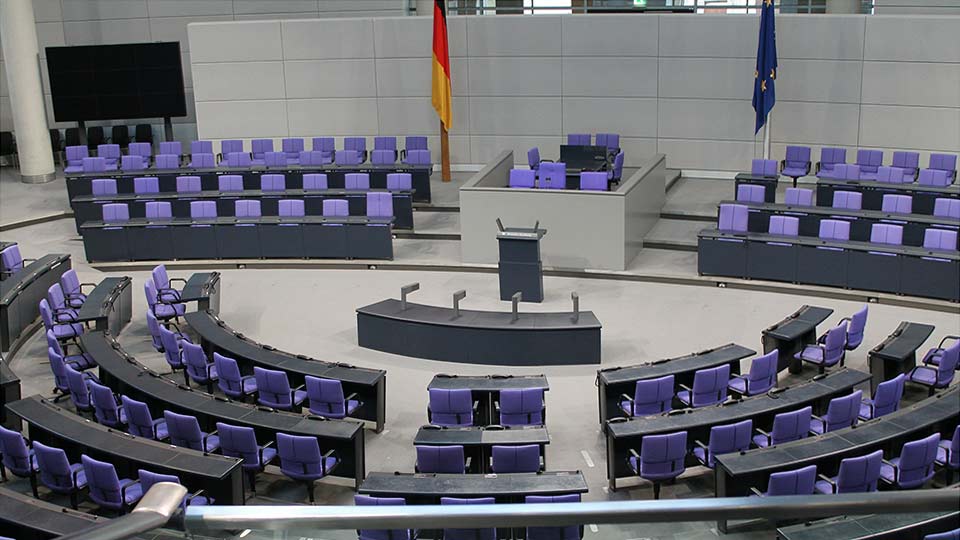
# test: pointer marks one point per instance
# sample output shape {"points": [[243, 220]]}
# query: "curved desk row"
{"points": [[20, 295], [477, 442], [220, 477], [204, 289], [861, 221], [268, 237], [613, 382], [852, 265], [625, 434], [505, 488], [485, 390], [90, 207], [109, 305], [370, 385], [80, 183], [924, 197], [124, 375], [479, 337], [9, 392], [873, 527]]}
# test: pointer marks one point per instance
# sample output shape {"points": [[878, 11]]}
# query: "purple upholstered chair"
{"points": [[357, 144], [197, 367], [347, 157], [301, 459], [384, 150], [948, 208], [869, 162], [763, 167], [58, 302], [856, 324], [417, 157], [75, 157], [857, 475], [157, 210], [57, 367], [259, 148], [246, 209], [750, 193], [201, 147], [110, 153], [610, 140], [946, 535], [11, 261], [897, 204], [205, 160], [146, 184], [79, 360], [166, 147], [848, 171], [63, 331], [948, 454], [650, 396], [934, 177], [841, 413], [578, 139], [762, 376], [783, 226], [167, 161], [797, 162], [940, 239], [616, 173], [521, 407], [273, 390], [153, 326], [885, 233], [73, 289], [914, 467], [239, 160], [58, 474], [315, 182], [274, 159], [103, 187], [788, 426], [523, 178], [230, 182], [140, 422], [382, 534], [570, 532], [938, 367], [454, 407], [553, 175], [440, 459], [188, 184], [356, 181], [593, 181], [834, 229], [661, 458], [148, 479], [733, 218], [230, 146], [326, 146], [515, 459], [291, 148], [795, 482], [326, 398], [273, 182], [891, 175], [946, 163], [310, 158], [106, 489], [106, 406], [908, 163], [171, 351], [379, 204], [185, 431], [468, 534], [709, 387], [847, 200], [17, 457], [533, 158], [885, 400], [241, 442], [79, 385], [203, 210], [230, 381], [828, 351], [399, 181], [724, 440], [335, 208], [415, 143], [132, 163], [163, 312]]}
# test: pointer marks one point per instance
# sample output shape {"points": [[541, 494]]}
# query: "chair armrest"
{"points": [[496, 406], [783, 164], [823, 423], [626, 398], [476, 405], [685, 387], [945, 338], [156, 425], [351, 396], [171, 280], [756, 492], [73, 476], [66, 313], [633, 453], [123, 488], [468, 462], [82, 285], [323, 461], [174, 292], [700, 444], [204, 440], [817, 168], [260, 452], [829, 481], [762, 432], [896, 472]]}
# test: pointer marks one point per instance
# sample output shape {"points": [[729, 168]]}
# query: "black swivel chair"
{"points": [[56, 144], [95, 138], [144, 133], [72, 137], [120, 135], [8, 147]]}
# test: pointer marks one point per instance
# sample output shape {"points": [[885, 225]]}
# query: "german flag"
{"points": [[442, 101]]}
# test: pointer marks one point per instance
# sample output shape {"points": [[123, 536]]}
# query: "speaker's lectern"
{"points": [[520, 267]]}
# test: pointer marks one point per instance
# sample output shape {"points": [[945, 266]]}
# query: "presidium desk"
{"points": [[479, 337]]}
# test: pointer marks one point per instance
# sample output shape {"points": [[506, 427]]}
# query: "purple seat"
{"points": [[848, 171], [415, 142], [788, 426], [310, 158], [908, 163], [616, 173], [869, 162], [891, 175], [72, 289], [75, 156], [197, 367], [914, 467], [315, 182], [709, 387], [593, 181], [948, 454], [384, 150], [154, 328], [524, 178], [358, 145], [750, 193], [440, 459], [453, 407], [834, 229], [856, 324], [610, 140], [188, 184], [570, 532], [326, 146], [273, 182], [11, 261], [239, 160], [418, 157], [650, 396], [167, 161], [468, 534], [163, 312], [783, 225], [828, 351], [356, 181], [79, 359], [762, 376], [857, 475], [290, 208], [578, 139], [946, 163], [246, 209], [146, 184], [521, 407], [382, 534], [885, 400], [884, 233], [241, 442], [273, 390], [116, 213], [379, 204], [62, 312], [140, 422], [897, 204], [63, 331], [935, 355], [335, 208], [230, 182], [399, 181], [17, 457], [166, 147], [934, 177], [796, 162], [96, 164], [79, 385], [103, 187], [106, 489], [57, 367], [171, 351], [347, 157], [763, 167], [842, 412], [938, 367], [732, 218], [533, 158], [274, 159], [259, 149], [58, 474], [158, 210], [202, 161], [106, 406], [326, 398], [661, 457], [795, 482], [515, 459], [848, 200], [201, 147], [383, 157], [291, 148], [110, 153], [724, 440], [229, 146], [185, 431], [553, 175], [148, 479], [301, 459], [948, 208], [132, 163], [230, 381]]}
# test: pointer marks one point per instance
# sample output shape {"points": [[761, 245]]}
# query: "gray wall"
{"points": [[674, 84]]}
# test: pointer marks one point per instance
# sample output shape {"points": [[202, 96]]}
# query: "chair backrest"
{"points": [[55, 296], [379, 204], [154, 328], [710, 386], [570, 532], [515, 459], [171, 348], [834, 345], [415, 143], [102, 482], [440, 459], [358, 144], [593, 181], [954, 455], [858, 322], [834, 229], [943, 207], [891, 175], [521, 406], [859, 474], [75, 154], [729, 438], [275, 159], [148, 479], [886, 233], [610, 140], [203, 209], [453, 407], [299, 455], [144, 150], [791, 426], [940, 239], [315, 181], [418, 157], [230, 182], [383, 157], [381, 534], [57, 366], [943, 162], [239, 159], [120, 135], [104, 186], [869, 160], [916, 461], [14, 453], [259, 147], [385, 143], [109, 151], [184, 430], [139, 419], [292, 146], [326, 397], [842, 411], [273, 182], [356, 181], [325, 145], [662, 456], [899, 204], [847, 171], [10, 259], [763, 167], [70, 282], [311, 158], [115, 212], [54, 468], [733, 218], [795, 482], [580, 139], [784, 225], [797, 156], [948, 364], [202, 161], [524, 178], [618, 166], [273, 388], [468, 534], [239, 442], [763, 373], [195, 360], [166, 147], [188, 184], [850, 200], [132, 163], [246, 208], [229, 146], [143, 132], [46, 314], [105, 406], [290, 208], [906, 160], [230, 379], [335, 208], [146, 184], [201, 147], [934, 177], [399, 181], [533, 158], [652, 396]]}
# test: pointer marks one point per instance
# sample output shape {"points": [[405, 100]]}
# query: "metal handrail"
{"points": [[474, 7], [154, 510]]}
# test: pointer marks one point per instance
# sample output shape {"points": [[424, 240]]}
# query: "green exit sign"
{"points": [[639, 3]]}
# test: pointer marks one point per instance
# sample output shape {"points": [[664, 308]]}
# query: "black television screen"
{"points": [[112, 82]]}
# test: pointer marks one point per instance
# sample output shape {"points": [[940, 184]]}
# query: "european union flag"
{"points": [[763, 78]]}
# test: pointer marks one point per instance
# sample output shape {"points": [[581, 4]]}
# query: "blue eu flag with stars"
{"points": [[764, 95]]}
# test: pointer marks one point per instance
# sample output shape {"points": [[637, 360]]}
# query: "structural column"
{"points": [[18, 34]]}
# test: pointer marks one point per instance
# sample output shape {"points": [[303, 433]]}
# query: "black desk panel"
{"points": [[25, 518], [90, 207], [4, 245], [109, 305], [204, 289], [790, 335], [924, 197], [81, 183], [898, 353], [613, 382], [853, 265], [624, 434], [873, 527], [220, 477], [306, 237], [505, 488], [477, 441], [370, 385], [124, 375], [485, 389], [9, 392], [20, 295], [479, 337], [768, 183]]}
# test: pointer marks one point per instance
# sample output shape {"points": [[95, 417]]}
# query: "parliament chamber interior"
{"points": [[633, 269]]}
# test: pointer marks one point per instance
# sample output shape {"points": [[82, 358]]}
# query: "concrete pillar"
{"points": [[843, 6], [425, 8], [18, 34]]}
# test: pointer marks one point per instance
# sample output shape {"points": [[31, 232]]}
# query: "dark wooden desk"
{"points": [[20, 296], [485, 389], [792, 334], [505, 488], [204, 289], [109, 305], [477, 441], [873, 527], [9, 392], [898, 353]]}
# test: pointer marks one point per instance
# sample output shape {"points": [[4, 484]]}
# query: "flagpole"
{"points": [[766, 136], [444, 154]]}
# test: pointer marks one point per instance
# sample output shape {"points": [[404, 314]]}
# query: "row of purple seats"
{"points": [[610, 140], [503, 459], [904, 168], [516, 407], [848, 200], [11, 261], [268, 182], [534, 162]]}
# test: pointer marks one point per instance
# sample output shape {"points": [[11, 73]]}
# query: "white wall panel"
{"points": [[330, 78], [610, 35], [636, 150], [317, 39], [825, 123], [909, 83], [836, 81], [514, 76], [416, 116], [411, 77], [238, 81], [617, 77], [708, 78], [513, 36], [706, 119], [99, 10], [175, 28], [275, 6], [392, 36], [515, 116], [4, 90], [709, 36], [50, 34], [191, 8], [102, 32], [913, 39], [236, 119], [235, 42], [707, 155], [485, 148], [630, 117], [822, 38], [47, 10], [910, 127], [319, 117]]}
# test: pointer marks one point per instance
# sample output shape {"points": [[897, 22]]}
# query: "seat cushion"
{"points": [[888, 472], [133, 493], [923, 375], [738, 384], [816, 426], [684, 397], [761, 441], [169, 311], [865, 412], [299, 396], [822, 486], [66, 331], [161, 429], [701, 454], [794, 172], [810, 353], [212, 443]]}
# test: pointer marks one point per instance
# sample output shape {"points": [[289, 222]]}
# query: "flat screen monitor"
{"points": [[113, 82]]}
